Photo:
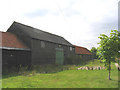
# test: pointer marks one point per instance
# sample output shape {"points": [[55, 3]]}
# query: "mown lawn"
{"points": [[64, 79]]}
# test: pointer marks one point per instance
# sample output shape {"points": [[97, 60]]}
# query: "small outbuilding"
{"points": [[14, 51], [84, 53]]}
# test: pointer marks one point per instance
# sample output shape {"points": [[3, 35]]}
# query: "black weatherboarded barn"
{"points": [[46, 48]]}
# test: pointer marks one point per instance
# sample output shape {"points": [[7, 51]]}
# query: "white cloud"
{"points": [[72, 19]]}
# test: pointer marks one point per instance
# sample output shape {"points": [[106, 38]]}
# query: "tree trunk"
{"points": [[109, 71], [109, 75]]}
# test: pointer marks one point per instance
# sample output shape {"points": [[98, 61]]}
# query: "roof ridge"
{"points": [[80, 46], [40, 34], [2, 31], [82, 50], [37, 29]]}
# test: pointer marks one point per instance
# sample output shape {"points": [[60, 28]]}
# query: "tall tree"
{"points": [[109, 47]]}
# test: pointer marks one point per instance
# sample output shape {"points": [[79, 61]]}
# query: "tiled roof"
{"points": [[82, 50], [10, 40]]}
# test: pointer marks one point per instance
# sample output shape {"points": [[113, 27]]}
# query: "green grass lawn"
{"points": [[64, 79]]}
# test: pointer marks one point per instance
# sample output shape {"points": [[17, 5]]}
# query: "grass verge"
{"points": [[67, 77]]}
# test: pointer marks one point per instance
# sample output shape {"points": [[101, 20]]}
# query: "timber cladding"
{"points": [[47, 54], [14, 51], [15, 58], [34, 46], [46, 48]]}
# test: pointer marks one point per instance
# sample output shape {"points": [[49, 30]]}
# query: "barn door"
{"points": [[59, 57]]}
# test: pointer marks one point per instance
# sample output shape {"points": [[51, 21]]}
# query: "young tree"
{"points": [[109, 47]]}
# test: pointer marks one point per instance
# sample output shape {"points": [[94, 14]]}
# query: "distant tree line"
{"points": [[94, 52]]}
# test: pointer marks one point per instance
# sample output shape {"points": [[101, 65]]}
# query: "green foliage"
{"points": [[109, 48], [49, 68], [109, 45], [94, 63], [74, 59], [103, 61], [94, 51]]}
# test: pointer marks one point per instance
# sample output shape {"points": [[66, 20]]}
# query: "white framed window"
{"points": [[71, 48], [59, 46], [42, 44]]}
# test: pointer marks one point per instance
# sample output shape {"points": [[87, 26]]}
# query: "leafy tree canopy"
{"points": [[109, 45], [109, 48], [93, 50]]}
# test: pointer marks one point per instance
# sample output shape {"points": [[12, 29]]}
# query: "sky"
{"points": [[79, 21]]}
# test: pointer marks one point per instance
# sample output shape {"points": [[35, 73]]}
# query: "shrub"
{"points": [[74, 59]]}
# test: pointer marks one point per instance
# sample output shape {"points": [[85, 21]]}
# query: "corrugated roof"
{"points": [[9, 40], [82, 50], [39, 34]]}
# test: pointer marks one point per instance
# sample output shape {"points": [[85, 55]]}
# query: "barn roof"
{"points": [[11, 41], [82, 50], [39, 34]]}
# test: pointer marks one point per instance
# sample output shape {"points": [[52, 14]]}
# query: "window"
{"points": [[73, 48], [11, 55], [70, 48], [59, 46], [42, 44]]}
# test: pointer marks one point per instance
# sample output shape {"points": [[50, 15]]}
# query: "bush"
{"points": [[74, 59], [13, 69]]}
